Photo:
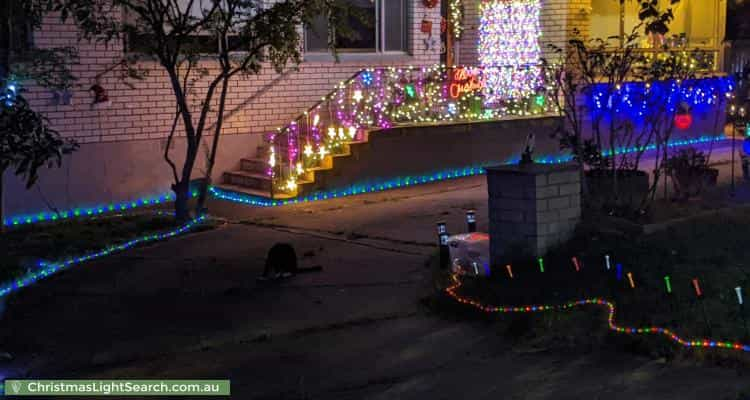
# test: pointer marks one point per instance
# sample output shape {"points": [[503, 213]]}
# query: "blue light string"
{"points": [[46, 268], [88, 211], [407, 181], [635, 99]]}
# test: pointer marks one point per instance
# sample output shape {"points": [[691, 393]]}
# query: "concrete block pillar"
{"points": [[532, 208]]}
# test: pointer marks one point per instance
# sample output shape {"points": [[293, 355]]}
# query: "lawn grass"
{"points": [[23, 246], [714, 249]]}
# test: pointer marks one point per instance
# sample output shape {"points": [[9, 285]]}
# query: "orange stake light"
{"points": [[510, 271], [630, 278]]}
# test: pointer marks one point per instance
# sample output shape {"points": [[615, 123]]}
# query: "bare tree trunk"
{"points": [[203, 191]]}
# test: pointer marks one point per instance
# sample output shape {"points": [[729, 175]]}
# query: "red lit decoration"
{"points": [[465, 80], [426, 26], [430, 3], [683, 121]]}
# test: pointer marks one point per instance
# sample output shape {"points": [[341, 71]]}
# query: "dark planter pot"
{"points": [[630, 190], [690, 183]]}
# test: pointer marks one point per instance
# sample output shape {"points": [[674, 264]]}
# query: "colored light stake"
{"points": [[738, 290], [541, 264], [697, 287], [619, 272], [606, 259], [630, 279], [576, 264], [668, 284], [510, 271]]}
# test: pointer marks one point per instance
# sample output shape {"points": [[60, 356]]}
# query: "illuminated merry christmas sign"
{"points": [[465, 80]]}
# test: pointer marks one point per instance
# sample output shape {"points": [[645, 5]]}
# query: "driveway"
{"points": [[191, 308]]}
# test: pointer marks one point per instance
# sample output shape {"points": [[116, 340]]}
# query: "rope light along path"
{"points": [[452, 291], [89, 211], [407, 181], [49, 268]]}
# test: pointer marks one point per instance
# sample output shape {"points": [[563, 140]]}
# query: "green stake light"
{"points": [[669, 285], [541, 264]]}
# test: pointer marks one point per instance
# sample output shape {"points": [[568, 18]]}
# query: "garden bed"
{"points": [[25, 246], [711, 249]]}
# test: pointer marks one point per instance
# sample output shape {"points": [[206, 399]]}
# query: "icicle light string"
{"points": [[608, 305]]}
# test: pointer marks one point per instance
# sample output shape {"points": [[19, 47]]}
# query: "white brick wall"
{"points": [[257, 104]]}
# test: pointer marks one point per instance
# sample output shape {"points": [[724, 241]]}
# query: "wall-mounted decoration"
{"points": [[430, 3], [101, 99], [426, 26], [61, 98]]}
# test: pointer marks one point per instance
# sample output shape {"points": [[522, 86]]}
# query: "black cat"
{"points": [[281, 262]]}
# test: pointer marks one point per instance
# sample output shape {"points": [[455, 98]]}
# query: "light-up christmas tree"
{"points": [[509, 48]]}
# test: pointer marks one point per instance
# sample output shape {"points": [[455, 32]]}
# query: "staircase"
{"points": [[309, 154], [252, 177]]}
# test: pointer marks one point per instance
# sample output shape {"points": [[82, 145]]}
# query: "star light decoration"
{"points": [[509, 48]]}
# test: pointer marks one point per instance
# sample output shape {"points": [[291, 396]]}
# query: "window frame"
{"points": [[380, 36], [622, 17]]}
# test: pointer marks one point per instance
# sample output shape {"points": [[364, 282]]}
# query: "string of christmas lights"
{"points": [[452, 291], [89, 211], [380, 98], [407, 181], [509, 34], [456, 16], [46, 269]]}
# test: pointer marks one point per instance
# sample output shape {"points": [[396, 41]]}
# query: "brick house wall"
{"points": [[121, 154]]}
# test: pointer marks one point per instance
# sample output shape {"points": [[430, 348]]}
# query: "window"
{"points": [[377, 26], [199, 43], [698, 21], [13, 20]]}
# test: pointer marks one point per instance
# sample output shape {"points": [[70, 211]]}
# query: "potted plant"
{"points": [[690, 173]]}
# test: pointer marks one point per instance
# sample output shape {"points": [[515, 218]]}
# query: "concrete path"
{"points": [[191, 308]]}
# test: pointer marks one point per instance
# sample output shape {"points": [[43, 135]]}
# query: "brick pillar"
{"points": [[532, 208]]}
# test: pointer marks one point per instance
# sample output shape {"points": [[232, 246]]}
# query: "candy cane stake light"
{"points": [[576, 264]]}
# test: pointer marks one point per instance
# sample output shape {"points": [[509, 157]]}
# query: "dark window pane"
{"points": [[16, 23], [316, 34], [395, 22], [201, 44], [362, 25]]}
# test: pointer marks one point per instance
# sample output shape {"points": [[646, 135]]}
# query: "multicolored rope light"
{"points": [[452, 291], [46, 269], [407, 181], [89, 211]]}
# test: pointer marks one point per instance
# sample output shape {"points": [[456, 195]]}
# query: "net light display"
{"points": [[509, 32], [452, 291]]}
